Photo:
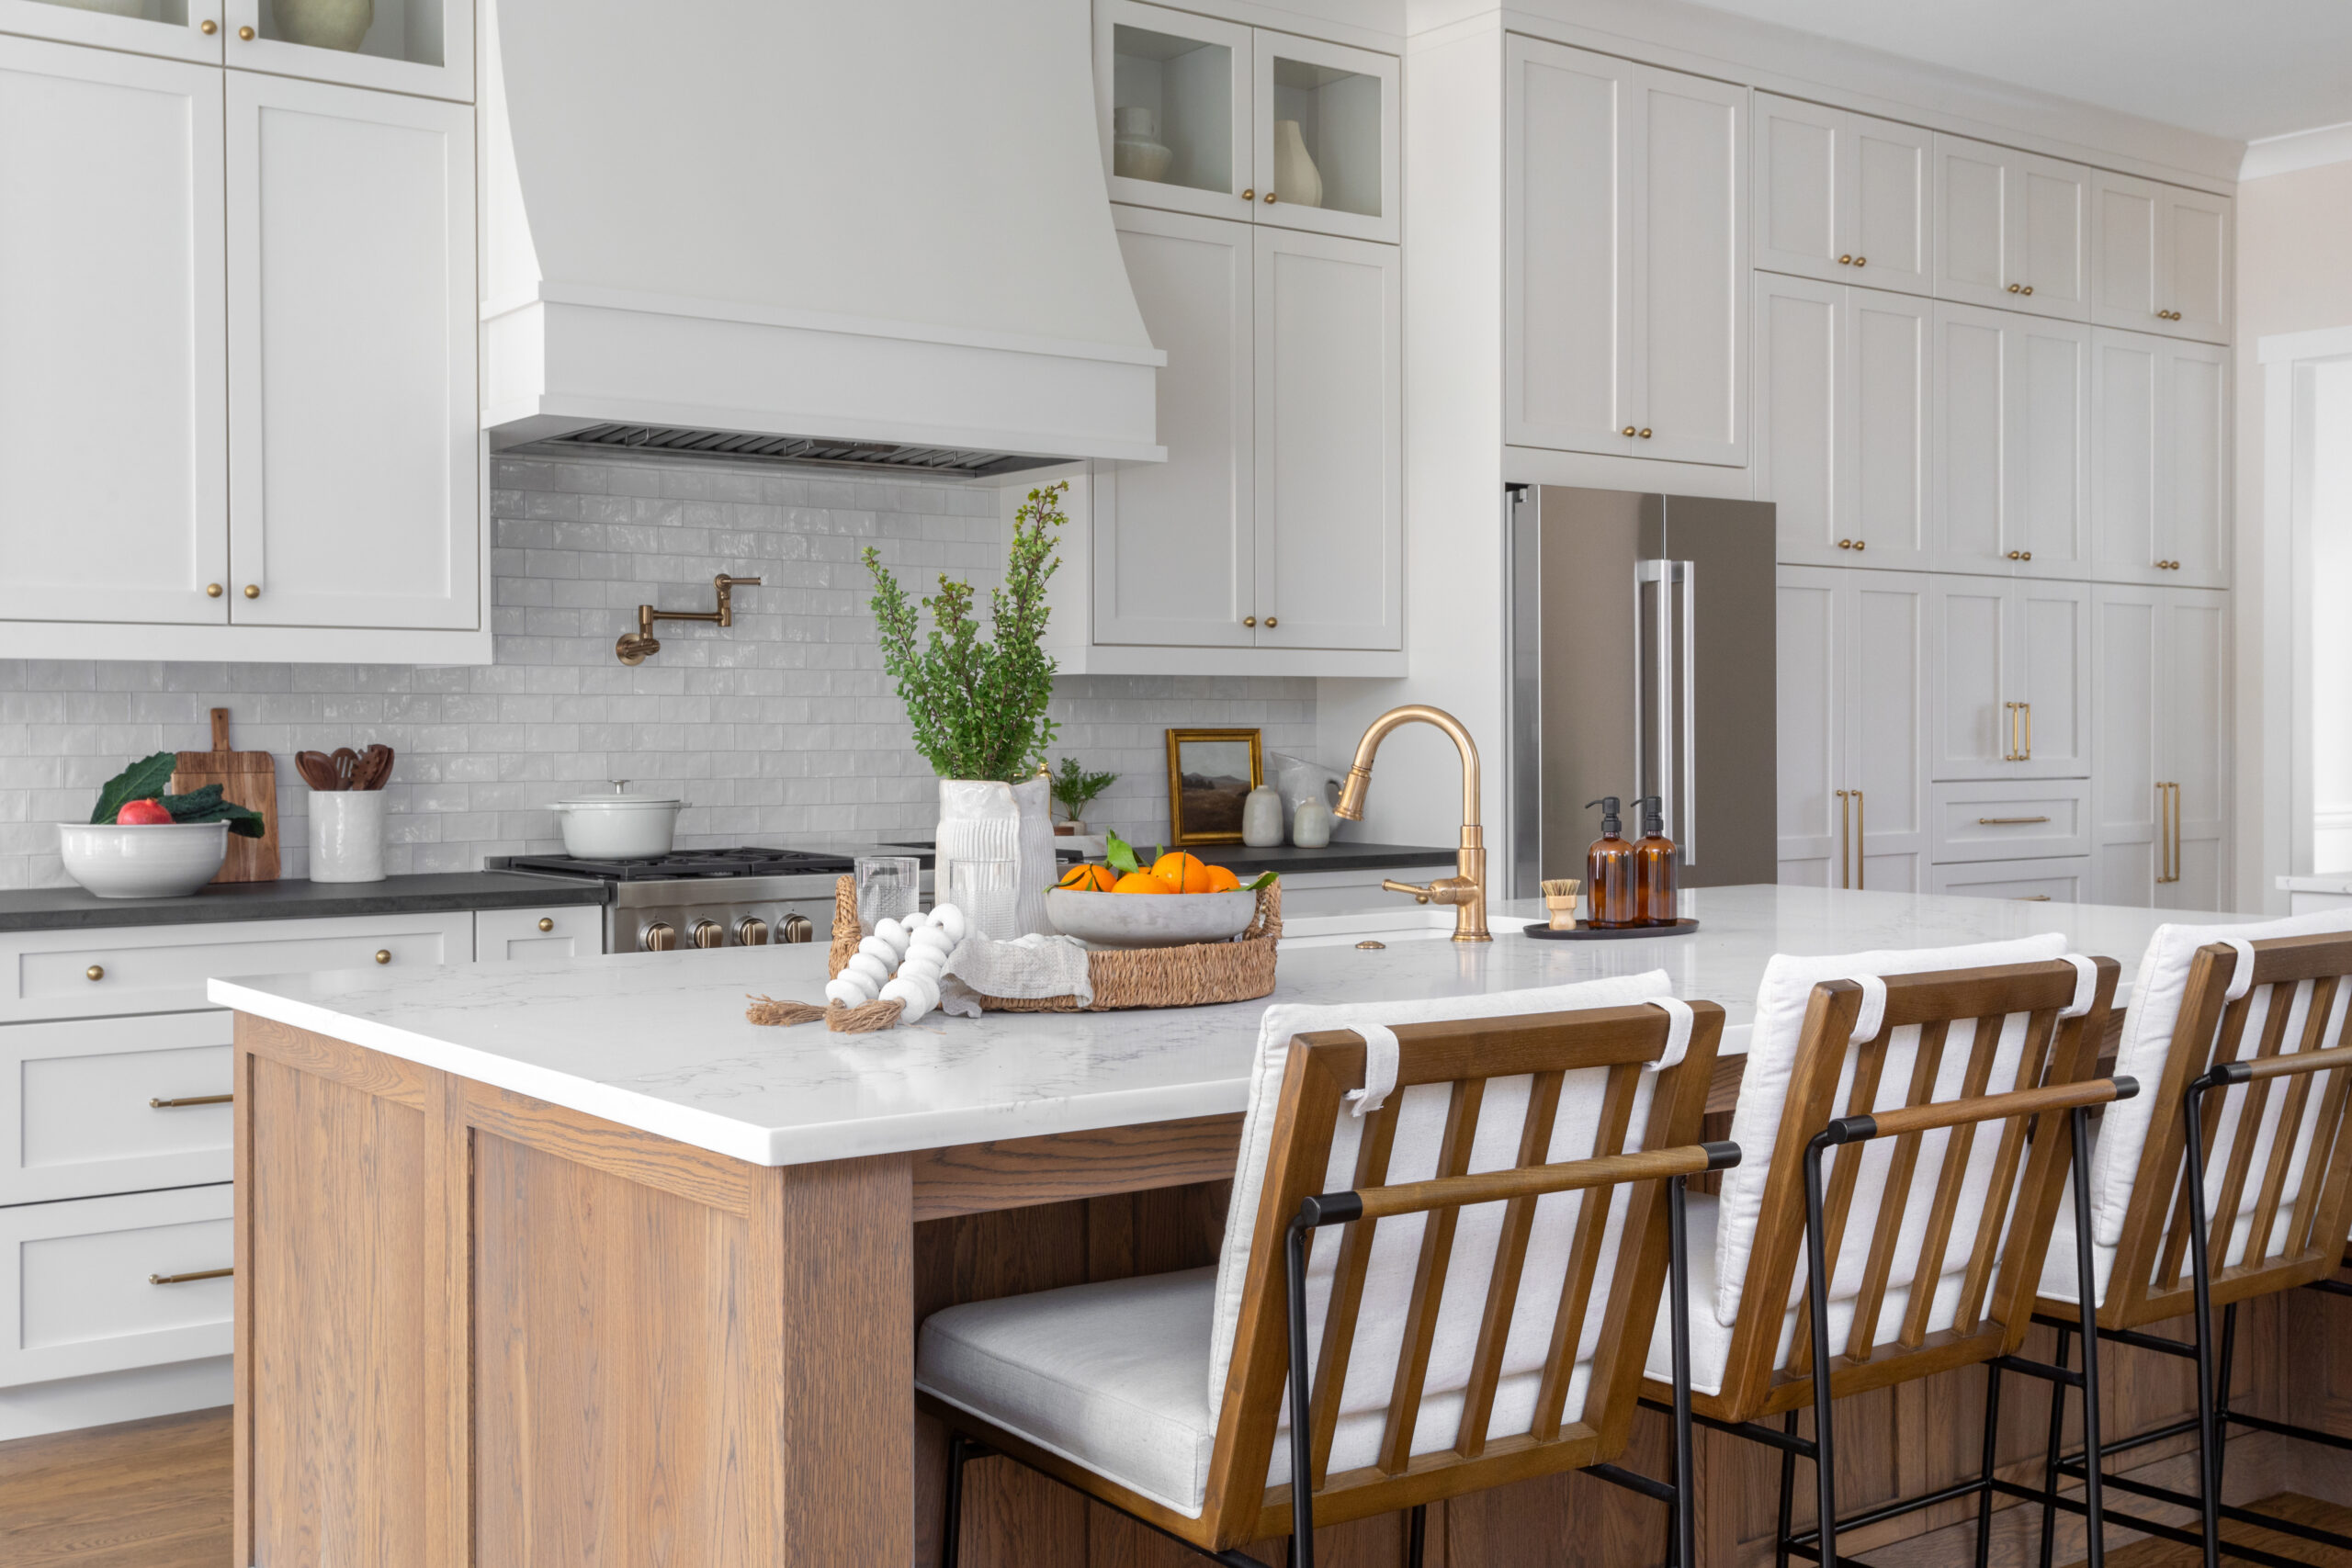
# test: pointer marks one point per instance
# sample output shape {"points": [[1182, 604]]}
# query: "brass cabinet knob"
{"points": [[2026, 556], [1251, 195], [2015, 289], [246, 34], [659, 937], [1270, 198], [1862, 544], [208, 27], [1272, 623], [545, 924], [252, 589], [2014, 556], [2027, 290], [212, 591], [709, 933], [1248, 620], [1861, 261], [1627, 431], [95, 972], [383, 955], [799, 928], [1645, 433], [1845, 260], [751, 931], [1845, 544]]}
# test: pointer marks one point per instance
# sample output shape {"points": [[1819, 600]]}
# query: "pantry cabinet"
{"points": [[1276, 521], [1851, 660], [2159, 786], [1625, 258], [2160, 258], [1843, 196], [2011, 697], [406, 46], [2161, 490], [2012, 453], [2011, 229], [1844, 411]]}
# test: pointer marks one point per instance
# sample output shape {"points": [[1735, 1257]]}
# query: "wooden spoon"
{"points": [[374, 767], [317, 770], [346, 759]]}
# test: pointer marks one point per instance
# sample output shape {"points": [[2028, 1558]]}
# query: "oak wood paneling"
{"points": [[1013, 1173]]}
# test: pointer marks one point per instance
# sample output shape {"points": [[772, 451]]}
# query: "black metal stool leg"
{"points": [[1992, 1434], [1680, 1548], [1825, 1459], [951, 1530], [2208, 1443], [2049, 1454], [2221, 1397], [1417, 1532], [1788, 1491], [2087, 1296]]}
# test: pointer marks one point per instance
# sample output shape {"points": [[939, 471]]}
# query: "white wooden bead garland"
{"points": [[902, 962]]}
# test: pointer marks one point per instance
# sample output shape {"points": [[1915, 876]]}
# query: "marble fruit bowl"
{"points": [[1139, 919]]}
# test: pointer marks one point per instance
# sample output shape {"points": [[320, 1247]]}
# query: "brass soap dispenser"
{"points": [[1609, 870], [1654, 895]]}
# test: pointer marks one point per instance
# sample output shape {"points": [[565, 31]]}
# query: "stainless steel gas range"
{"points": [[739, 897]]}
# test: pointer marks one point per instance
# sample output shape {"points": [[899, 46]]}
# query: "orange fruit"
{"points": [[1087, 879], [1140, 881], [1183, 873], [1222, 880]]}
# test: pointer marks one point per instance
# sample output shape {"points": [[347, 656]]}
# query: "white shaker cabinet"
{"points": [[1852, 698], [2161, 492], [2012, 457], [2160, 258], [2011, 229], [2011, 695], [1844, 417], [2159, 786], [1626, 278], [1843, 196], [114, 469], [354, 477]]}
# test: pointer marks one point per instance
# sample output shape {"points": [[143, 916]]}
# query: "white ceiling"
{"points": [[2239, 68]]}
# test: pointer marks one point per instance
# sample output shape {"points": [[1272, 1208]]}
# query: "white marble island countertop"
{"points": [[659, 1041]]}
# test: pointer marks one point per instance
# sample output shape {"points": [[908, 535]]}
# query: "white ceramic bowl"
{"points": [[163, 860], [619, 827], [1144, 919]]}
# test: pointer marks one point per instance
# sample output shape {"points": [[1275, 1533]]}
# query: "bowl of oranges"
{"points": [[1176, 899]]}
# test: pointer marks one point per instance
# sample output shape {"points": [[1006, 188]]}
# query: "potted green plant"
{"points": [[1076, 788], [979, 709]]}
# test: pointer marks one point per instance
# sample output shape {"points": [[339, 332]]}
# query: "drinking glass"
{"points": [[987, 891], [890, 888]]}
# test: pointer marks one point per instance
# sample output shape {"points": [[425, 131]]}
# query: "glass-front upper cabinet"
{"points": [[1210, 117], [177, 29], [425, 47]]}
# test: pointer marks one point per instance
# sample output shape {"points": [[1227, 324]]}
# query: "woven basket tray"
{"points": [[1138, 977]]}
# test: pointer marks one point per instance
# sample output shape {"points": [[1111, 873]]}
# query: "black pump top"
{"points": [[1653, 811], [1612, 824]]}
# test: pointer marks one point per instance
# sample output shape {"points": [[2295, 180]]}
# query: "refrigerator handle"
{"points": [[1685, 837]]}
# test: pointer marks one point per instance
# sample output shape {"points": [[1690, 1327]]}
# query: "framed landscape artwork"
{"points": [[1210, 773]]}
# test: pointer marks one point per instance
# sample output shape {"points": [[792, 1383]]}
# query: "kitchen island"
{"points": [[572, 1263]]}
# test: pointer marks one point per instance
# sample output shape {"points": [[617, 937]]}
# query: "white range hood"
{"points": [[856, 230]]}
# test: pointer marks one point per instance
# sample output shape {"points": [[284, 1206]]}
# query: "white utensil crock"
{"points": [[1005, 833], [346, 835]]}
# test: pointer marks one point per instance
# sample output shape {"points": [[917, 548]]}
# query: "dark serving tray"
{"points": [[1584, 932]]}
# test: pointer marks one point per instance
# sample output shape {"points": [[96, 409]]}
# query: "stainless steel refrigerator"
{"points": [[1641, 650]]}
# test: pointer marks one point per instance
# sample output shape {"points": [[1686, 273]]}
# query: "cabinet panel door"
{"points": [[1569, 250], [1886, 728], [1175, 553], [1192, 77], [1329, 443], [113, 439], [1971, 735], [2193, 509], [1974, 211], [1810, 626], [2127, 446], [1344, 103], [1887, 394], [1690, 277], [1972, 494], [76, 1291], [2196, 263], [2048, 233], [2060, 880], [2050, 448], [1798, 225], [2193, 731], [355, 490], [2125, 811], [194, 34], [2125, 269], [1800, 331], [2051, 639], [1888, 187]]}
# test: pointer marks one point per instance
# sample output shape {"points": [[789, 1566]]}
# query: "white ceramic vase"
{"points": [[346, 835], [1297, 179], [995, 854], [1310, 826], [1136, 151], [325, 24], [1261, 817]]}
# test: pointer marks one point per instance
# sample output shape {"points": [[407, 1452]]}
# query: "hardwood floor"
{"points": [[142, 1495], [2303, 1510]]}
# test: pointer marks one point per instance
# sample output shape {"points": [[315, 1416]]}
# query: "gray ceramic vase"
{"points": [[325, 24]]}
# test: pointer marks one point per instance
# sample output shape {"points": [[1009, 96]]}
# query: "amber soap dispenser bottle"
{"points": [[1653, 896], [1609, 870]]}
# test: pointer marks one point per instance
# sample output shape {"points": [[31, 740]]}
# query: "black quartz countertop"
{"points": [[1288, 859], [70, 909]]}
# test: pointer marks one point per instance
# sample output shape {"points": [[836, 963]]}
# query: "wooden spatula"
{"points": [[247, 778]]}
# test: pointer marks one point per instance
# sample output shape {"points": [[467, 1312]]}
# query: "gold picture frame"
{"points": [[1208, 811]]}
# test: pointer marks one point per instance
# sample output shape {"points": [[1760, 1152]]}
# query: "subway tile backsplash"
{"points": [[782, 728]]}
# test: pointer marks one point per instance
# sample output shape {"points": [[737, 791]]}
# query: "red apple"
{"points": [[143, 813]]}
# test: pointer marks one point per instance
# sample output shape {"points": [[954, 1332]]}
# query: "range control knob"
{"points": [[659, 937], [797, 928], [709, 933], [751, 931]]}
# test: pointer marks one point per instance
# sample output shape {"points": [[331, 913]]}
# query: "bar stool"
{"points": [[1904, 1118], [2241, 1033], [1467, 1220]]}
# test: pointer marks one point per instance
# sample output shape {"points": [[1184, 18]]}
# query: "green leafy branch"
{"points": [[147, 778], [1076, 788]]}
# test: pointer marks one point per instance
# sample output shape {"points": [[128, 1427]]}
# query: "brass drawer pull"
{"points": [[2032, 899], [95, 972], [193, 1100], [189, 1278], [545, 924], [2008, 821], [383, 955]]}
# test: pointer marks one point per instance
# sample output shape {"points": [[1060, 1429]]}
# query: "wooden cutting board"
{"points": [[246, 778]]}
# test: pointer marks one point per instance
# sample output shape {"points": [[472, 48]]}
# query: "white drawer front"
{"points": [[76, 1297], [2064, 881], [2008, 821], [75, 1115], [163, 968], [529, 936], [2302, 903]]}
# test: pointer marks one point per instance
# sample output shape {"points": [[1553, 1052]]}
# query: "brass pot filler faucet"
{"points": [[1466, 889], [637, 646]]}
